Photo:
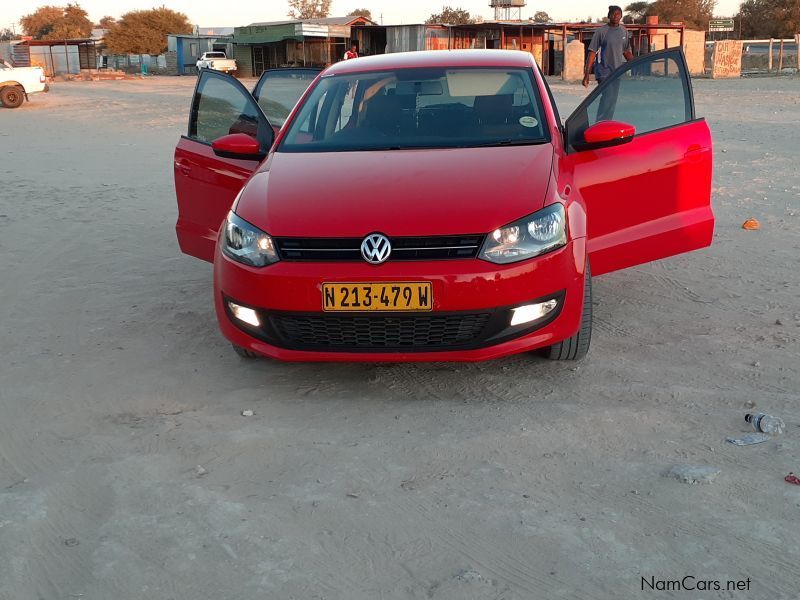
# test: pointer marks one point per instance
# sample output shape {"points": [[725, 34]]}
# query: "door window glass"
{"points": [[220, 108], [649, 94], [649, 97]]}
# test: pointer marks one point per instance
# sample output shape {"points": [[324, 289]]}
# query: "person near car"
{"points": [[352, 53], [611, 41]]}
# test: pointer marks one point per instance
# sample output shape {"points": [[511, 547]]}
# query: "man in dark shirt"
{"points": [[614, 45]]}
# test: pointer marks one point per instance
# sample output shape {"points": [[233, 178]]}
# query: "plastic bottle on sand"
{"points": [[765, 423]]}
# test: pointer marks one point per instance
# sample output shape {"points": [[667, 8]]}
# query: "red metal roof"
{"points": [[75, 42]]}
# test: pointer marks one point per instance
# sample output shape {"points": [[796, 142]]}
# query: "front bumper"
{"points": [[288, 298]]}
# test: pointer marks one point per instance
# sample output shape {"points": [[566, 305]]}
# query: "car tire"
{"points": [[244, 352], [576, 347], [12, 96]]}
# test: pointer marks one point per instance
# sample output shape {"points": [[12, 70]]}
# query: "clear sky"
{"points": [[227, 13]]}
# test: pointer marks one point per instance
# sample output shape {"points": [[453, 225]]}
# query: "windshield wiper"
{"points": [[509, 142]]}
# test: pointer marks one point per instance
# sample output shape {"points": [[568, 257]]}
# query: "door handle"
{"points": [[695, 153], [183, 167]]}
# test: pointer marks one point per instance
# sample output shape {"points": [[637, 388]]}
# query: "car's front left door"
{"points": [[648, 196], [206, 184]]}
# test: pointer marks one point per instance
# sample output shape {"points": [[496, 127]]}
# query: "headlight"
{"points": [[246, 243], [531, 236]]}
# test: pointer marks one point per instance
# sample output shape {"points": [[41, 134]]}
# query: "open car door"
{"points": [[206, 183], [210, 172], [647, 191]]}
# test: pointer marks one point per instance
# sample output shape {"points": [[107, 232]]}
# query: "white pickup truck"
{"points": [[216, 61], [17, 83]]}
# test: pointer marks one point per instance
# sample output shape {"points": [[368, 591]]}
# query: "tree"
{"points": [[636, 12], [542, 17], [309, 9], [769, 18], [8, 34], [693, 13], [57, 23], [106, 22], [145, 31], [451, 16], [361, 12]]}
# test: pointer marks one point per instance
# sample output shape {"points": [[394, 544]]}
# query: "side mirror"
{"points": [[238, 145], [607, 133]]}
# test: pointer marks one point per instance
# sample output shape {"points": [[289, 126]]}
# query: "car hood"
{"points": [[398, 192]]}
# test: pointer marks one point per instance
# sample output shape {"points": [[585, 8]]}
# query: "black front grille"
{"points": [[362, 332], [403, 248]]}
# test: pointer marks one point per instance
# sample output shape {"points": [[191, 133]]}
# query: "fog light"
{"points": [[531, 312], [244, 314]]}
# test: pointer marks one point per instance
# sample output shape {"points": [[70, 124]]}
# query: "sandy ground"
{"points": [[512, 479]]}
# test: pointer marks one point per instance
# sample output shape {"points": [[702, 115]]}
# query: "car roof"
{"points": [[433, 58]]}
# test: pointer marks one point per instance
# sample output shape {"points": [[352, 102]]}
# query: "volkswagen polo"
{"points": [[432, 205]]}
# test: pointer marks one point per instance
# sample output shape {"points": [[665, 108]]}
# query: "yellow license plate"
{"points": [[387, 296]]}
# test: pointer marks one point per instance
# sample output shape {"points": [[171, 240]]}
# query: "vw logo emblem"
{"points": [[376, 248]]}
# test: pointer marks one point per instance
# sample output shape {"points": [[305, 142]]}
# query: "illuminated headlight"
{"points": [[246, 243], [244, 314], [531, 236], [532, 312]]}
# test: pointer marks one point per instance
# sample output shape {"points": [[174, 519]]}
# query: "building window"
{"points": [[194, 49]]}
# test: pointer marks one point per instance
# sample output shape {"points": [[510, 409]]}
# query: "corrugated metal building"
{"points": [[545, 41], [184, 50], [303, 43]]}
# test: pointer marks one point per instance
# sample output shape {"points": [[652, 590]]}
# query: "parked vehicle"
{"points": [[217, 61], [431, 206], [17, 83]]}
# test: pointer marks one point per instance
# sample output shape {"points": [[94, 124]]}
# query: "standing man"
{"points": [[612, 41], [352, 53], [614, 45]]}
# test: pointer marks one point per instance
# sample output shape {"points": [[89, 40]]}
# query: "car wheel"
{"points": [[577, 346], [244, 352], [12, 96]]}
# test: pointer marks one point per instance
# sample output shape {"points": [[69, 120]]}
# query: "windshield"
{"points": [[418, 108], [215, 55]]}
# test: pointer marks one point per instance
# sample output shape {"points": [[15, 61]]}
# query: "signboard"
{"points": [[726, 61], [721, 25]]}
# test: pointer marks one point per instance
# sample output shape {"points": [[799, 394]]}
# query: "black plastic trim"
{"points": [[496, 330]]}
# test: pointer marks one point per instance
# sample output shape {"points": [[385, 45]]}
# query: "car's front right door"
{"points": [[206, 184], [648, 197]]}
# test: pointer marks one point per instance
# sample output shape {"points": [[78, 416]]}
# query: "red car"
{"points": [[431, 206]]}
